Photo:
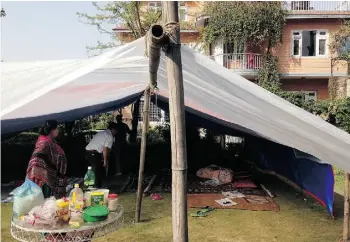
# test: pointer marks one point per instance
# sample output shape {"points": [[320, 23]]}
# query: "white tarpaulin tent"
{"points": [[68, 90]]}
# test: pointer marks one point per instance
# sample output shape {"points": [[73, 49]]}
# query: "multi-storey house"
{"points": [[305, 61]]}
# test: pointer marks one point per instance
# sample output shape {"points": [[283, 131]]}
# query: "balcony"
{"points": [[245, 64], [324, 9]]}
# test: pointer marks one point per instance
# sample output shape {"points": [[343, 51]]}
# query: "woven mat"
{"points": [[249, 202]]}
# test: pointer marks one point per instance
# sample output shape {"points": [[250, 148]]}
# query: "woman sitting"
{"points": [[48, 165]]}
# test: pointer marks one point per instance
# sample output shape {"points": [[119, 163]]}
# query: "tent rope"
{"points": [[172, 28]]}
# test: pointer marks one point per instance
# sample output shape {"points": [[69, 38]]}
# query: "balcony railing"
{"points": [[240, 61], [317, 6]]}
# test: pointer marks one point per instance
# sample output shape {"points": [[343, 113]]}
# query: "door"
{"points": [[217, 50]]}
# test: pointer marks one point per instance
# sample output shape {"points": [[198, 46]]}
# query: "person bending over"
{"points": [[98, 150]]}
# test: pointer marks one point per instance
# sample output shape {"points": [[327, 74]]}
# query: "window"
{"points": [[234, 47], [296, 38], [234, 51], [310, 95], [155, 6], [182, 11], [321, 38], [155, 113], [309, 43]]}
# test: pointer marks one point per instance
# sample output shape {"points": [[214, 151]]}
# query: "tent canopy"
{"points": [[215, 96], [70, 89]]}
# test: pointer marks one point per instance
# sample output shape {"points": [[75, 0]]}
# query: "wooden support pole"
{"points": [[145, 124], [177, 123], [155, 39], [346, 208], [135, 121]]}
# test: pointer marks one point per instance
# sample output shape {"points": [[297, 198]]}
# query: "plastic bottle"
{"points": [[76, 196], [112, 202], [89, 179], [76, 204]]}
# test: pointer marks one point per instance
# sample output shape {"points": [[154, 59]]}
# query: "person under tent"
{"points": [[48, 164], [120, 143], [98, 149]]}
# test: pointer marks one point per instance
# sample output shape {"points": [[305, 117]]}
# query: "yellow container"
{"points": [[97, 198], [63, 210]]}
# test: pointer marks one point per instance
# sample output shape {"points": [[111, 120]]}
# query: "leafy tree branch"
{"points": [[340, 44], [258, 22], [2, 13], [127, 14]]}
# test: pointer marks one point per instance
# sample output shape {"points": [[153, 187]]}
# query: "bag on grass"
{"points": [[26, 197]]}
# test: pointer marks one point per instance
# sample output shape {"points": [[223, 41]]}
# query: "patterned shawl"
{"points": [[48, 165]]}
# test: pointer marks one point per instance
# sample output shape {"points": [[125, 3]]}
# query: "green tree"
{"points": [[255, 22], [129, 14], [340, 44]]}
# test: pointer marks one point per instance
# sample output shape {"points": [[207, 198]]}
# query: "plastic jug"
{"points": [[76, 194], [76, 198], [76, 204], [89, 179]]}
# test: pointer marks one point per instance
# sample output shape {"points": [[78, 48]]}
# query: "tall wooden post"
{"points": [[346, 208], [145, 124], [177, 123]]}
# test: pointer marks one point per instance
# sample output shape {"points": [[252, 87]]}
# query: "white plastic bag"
{"points": [[26, 197], [44, 215]]}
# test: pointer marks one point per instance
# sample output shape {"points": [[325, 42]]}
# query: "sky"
{"points": [[47, 31]]}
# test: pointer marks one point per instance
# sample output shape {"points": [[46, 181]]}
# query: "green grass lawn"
{"points": [[298, 220]]}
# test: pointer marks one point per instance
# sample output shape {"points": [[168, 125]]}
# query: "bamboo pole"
{"points": [[346, 208], [145, 125], [177, 123], [155, 39]]}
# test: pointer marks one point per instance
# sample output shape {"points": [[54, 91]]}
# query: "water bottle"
{"points": [[89, 179]]}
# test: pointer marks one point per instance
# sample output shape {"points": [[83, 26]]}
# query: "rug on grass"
{"points": [[249, 202]]}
